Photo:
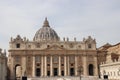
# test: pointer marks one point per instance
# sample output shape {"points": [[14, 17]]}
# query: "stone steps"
{"points": [[64, 78]]}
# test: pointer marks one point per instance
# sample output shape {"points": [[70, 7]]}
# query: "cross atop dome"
{"points": [[46, 23]]}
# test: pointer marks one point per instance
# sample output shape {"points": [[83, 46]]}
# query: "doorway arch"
{"points": [[91, 69], [18, 71]]}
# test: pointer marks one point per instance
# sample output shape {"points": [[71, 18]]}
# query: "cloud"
{"points": [[69, 18]]}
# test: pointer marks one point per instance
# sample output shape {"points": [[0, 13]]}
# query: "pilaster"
{"points": [[59, 66], [96, 66], [45, 59], [33, 72], [84, 65], [68, 63], [65, 66], [51, 66], [42, 74], [76, 66], [24, 66]]}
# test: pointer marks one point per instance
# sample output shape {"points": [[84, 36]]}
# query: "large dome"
{"points": [[46, 33]]}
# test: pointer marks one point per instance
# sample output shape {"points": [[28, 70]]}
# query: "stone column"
{"points": [[24, 61], [33, 72], [68, 66], [51, 66], [84, 65], [65, 66], [59, 66], [45, 59], [76, 66], [42, 66], [12, 66], [95, 66]]}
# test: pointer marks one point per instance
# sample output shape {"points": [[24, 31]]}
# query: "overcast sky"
{"points": [[69, 18]]}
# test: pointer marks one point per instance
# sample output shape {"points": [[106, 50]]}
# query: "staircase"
{"points": [[65, 78]]}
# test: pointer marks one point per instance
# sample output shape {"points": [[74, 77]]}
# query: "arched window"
{"points": [[38, 45], [48, 46]]}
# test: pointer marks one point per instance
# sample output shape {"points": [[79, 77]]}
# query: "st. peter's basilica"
{"points": [[48, 55]]}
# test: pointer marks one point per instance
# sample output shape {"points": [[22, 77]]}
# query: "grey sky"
{"points": [[69, 18]]}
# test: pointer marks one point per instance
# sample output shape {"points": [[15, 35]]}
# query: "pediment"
{"points": [[55, 47]]}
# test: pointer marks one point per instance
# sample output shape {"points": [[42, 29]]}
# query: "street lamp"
{"points": [[80, 71]]}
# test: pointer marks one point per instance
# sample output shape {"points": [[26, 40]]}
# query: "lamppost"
{"points": [[80, 70]]}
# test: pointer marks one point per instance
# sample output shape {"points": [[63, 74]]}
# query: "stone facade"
{"points": [[111, 66], [47, 55], [3, 65]]}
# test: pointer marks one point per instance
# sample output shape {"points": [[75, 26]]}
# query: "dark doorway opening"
{"points": [[62, 73], [91, 72], [48, 73], [55, 72], [72, 71], [38, 72]]}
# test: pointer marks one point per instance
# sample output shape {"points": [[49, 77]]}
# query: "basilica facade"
{"points": [[48, 55]]}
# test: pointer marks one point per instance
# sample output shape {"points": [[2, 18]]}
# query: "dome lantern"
{"points": [[46, 23]]}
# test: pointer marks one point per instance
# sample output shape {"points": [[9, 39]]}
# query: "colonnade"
{"points": [[66, 65]]}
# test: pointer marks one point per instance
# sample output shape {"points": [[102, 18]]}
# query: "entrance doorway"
{"points": [[91, 72], [72, 71], [55, 71], [62, 73], [38, 71], [18, 72], [48, 73]]}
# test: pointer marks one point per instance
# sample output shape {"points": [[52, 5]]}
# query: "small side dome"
{"points": [[46, 33]]}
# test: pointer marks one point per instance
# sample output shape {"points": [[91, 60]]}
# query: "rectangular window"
{"points": [[72, 59], [89, 46], [62, 64], [17, 59], [48, 59], [37, 59], [55, 59], [18, 45]]}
